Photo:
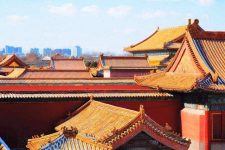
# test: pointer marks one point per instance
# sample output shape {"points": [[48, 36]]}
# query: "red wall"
{"points": [[128, 72], [19, 121]]}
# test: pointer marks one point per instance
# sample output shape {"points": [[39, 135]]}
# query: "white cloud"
{"points": [[17, 18], [66, 9], [91, 9], [152, 14], [205, 2], [119, 11]]}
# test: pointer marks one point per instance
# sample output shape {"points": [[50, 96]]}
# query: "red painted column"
{"points": [[207, 130], [194, 124]]}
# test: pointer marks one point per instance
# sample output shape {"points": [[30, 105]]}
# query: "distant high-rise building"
{"points": [[35, 51], [2, 52], [64, 52], [67, 52], [77, 51], [9, 49], [13, 50], [47, 52]]}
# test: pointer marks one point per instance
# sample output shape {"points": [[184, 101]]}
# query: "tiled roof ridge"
{"points": [[39, 141], [71, 115], [55, 70], [217, 35], [64, 136], [157, 30], [210, 83], [196, 55], [144, 120], [196, 78], [105, 105], [216, 88], [133, 45], [196, 60], [98, 103], [128, 57], [12, 95], [191, 47], [73, 58], [123, 62], [37, 137], [91, 141], [8, 58]]}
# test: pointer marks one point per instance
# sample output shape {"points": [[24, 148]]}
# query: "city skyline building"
{"points": [[47, 52], [9, 50], [67, 52], [77, 51], [35, 51]]}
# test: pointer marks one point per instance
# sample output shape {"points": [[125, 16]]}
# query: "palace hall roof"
{"points": [[107, 127], [123, 62], [66, 82], [169, 81], [211, 47], [159, 40], [15, 73], [12, 95], [168, 38], [199, 63], [12, 61], [61, 63], [11, 67], [55, 74]]}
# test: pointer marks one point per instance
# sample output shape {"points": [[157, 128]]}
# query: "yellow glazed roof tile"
{"points": [[99, 119], [159, 40]]}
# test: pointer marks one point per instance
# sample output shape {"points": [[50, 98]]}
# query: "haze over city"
{"points": [[98, 26]]}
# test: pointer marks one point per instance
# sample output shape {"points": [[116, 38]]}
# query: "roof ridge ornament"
{"points": [[189, 21], [72, 132], [142, 111], [215, 77], [91, 98], [196, 21]]}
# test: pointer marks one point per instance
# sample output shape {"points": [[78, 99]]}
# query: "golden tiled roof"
{"points": [[55, 74], [218, 88], [12, 61], [156, 60], [99, 119], [202, 53], [214, 51], [60, 140], [37, 142], [6, 59], [169, 81], [14, 74], [159, 40], [102, 126], [124, 62], [68, 64]]}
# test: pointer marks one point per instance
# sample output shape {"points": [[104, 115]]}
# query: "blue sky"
{"points": [[99, 25]]}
